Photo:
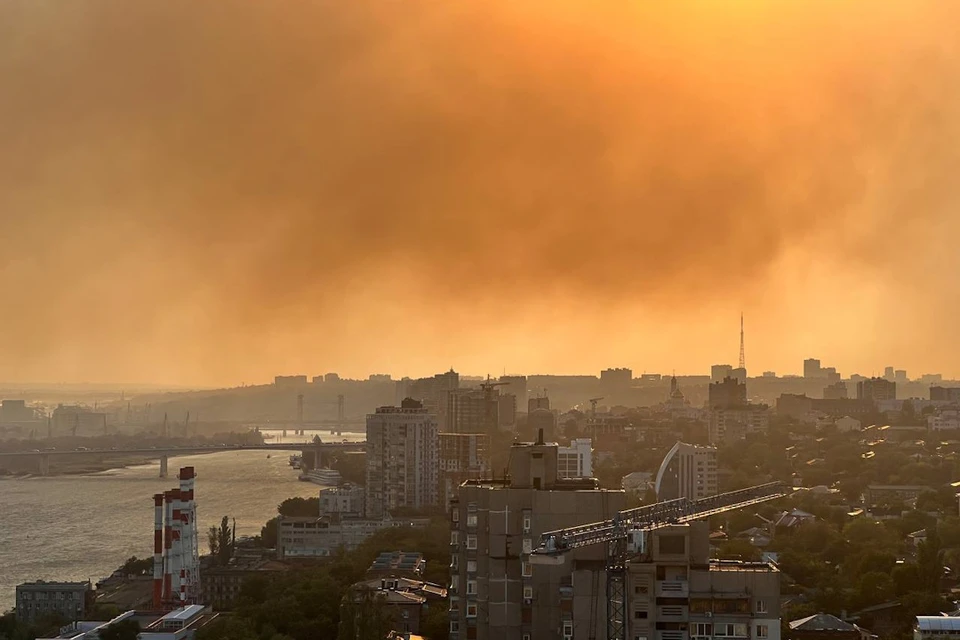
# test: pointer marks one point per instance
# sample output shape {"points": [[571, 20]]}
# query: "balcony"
{"points": [[672, 635], [673, 589], [673, 613]]}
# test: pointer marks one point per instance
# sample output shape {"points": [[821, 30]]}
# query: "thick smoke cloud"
{"points": [[220, 191]]}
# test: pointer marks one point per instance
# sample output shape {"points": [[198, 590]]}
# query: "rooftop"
{"points": [[938, 623], [821, 622]]}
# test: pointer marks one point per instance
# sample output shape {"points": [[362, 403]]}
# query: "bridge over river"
{"points": [[314, 450]]}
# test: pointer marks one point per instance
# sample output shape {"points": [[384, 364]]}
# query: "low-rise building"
{"points": [[69, 600], [346, 500], [220, 586], [728, 425], [321, 537], [403, 602], [687, 471], [405, 564], [937, 628], [823, 626]]}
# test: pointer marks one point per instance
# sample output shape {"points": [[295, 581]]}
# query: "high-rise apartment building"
{"points": [[876, 389], [727, 393], [811, 368], [432, 392], [945, 394], [495, 591], [463, 456], [835, 391], [402, 459], [540, 402], [474, 410], [687, 471], [676, 592], [719, 372], [576, 461], [733, 424], [516, 386], [545, 421]]}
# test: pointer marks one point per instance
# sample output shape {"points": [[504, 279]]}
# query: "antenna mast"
{"points": [[743, 364]]}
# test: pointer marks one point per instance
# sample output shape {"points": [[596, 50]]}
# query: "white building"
{"points": [[402, 459], [728, 425], [687, 471], [847, 424], [944, 421], [347, 500], [576, 461]]}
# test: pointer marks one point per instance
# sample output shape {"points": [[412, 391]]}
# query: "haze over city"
{"points": [[216, 193]]}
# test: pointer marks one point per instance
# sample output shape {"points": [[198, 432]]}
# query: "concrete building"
{"points": [[432, 392], [727, 393], [576, 461], [687, 471], [876, 389], [720, 372], [346, 500], [676, 592], [540, 402], [835, 391], [220, 586], [945, 394], [944, 421], [544, 419], [402, 459], [69, 600], [507, 412], [404, 602], [616, 379], [516, 386], [16, 411], [730, 425], [407, 564], [811, 368], [463, 456], [289, 381], [495, 592], [847, 424], [321, 537], [78, 420], [473, 411]]}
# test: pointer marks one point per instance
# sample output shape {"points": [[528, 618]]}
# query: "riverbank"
{"points": [[73, 467]]}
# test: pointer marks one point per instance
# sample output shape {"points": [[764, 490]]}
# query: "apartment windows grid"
{"points": [[471, 541], [762, 631]]}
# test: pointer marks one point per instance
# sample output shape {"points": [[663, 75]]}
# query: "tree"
{"points": [[364, 616], [299, 507], [221, 541], [135, 566], [268, 533], [930, 561], [874, 587], [123, 630]]}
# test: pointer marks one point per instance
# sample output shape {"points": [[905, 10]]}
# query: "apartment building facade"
{"points": [[402, 459], [676, 592], [495, 591], [687, 471]]}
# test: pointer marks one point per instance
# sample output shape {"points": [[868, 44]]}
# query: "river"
{"points": [[84, 527]]}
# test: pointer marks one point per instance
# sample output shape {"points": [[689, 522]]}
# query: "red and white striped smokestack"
{"points": [[157, 550], [176, 554], [188, 570], [167, 543]]}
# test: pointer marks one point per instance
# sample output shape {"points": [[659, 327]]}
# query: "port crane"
{"points": [[622, 532]]}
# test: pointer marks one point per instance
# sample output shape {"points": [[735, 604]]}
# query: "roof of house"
{"points": [[938, 623], [821, 622]]}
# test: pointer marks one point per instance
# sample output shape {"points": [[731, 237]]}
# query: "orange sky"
{"points": [[213, 193]]}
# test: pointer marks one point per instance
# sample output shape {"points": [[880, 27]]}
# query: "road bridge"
{"points": [[316, 450]]}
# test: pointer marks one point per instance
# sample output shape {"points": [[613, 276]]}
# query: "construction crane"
{"points": [[626, 531], [593, 406]]}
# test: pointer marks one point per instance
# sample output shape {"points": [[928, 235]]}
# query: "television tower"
{"points": [[743, 364]]}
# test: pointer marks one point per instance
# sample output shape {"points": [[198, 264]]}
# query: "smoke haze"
{"points": [[218, 192]]}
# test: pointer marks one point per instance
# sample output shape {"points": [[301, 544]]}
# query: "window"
{"points": [[567, 629], [471, 541], [454, 583], [454, 537], [528, 593], [471, 566], [761, 606], [454, 626], [639, 615], [762, 631], [702, 630], [472, 520], [527, 570], [526, 636], [527, 545], [471, 588], [527, 523], [455, 517], [472, 610], [641, 589]]}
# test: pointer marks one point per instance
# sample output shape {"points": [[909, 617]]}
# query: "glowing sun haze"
{"points": [[211, 193]]}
